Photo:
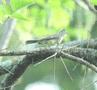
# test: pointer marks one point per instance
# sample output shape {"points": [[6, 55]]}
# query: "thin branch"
{"points": [[81, 61], [87, 3], [88, 54], [92, 43], [91, 8], [6, 66], [17, 71], [35, 57], [84, 56]]}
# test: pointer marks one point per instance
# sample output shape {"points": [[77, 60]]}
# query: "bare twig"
{"points": [[35, 56], [87, 3]]}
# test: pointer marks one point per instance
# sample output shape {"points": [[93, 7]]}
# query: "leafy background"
{"points": [[33, 19]]}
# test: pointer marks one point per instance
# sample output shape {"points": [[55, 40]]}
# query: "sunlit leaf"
{"points": [[19, 16], [93, 2], [40, 2], [54, 4], [69, 4], [4, 2], [4, 13], [19, 4], [1, 14], [59, 18], [6, 7]]}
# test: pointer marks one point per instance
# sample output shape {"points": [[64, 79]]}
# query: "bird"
{"points": [[58, 37]]}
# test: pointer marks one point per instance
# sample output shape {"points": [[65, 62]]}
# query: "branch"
{"points": [[17, 71], [92, 43], [90, 7], [81, 61], [6, 66], [84, 56]]}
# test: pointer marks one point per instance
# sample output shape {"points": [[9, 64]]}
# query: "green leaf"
{"points": [[69, 4], [19, 16], [6, 8], [4, 12], [40, 2], [59, 18], [19, 4], [94, 2], [1, 14]]}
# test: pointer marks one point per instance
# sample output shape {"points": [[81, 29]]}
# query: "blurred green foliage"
{"points": [[39, 18], [94, 2]]}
